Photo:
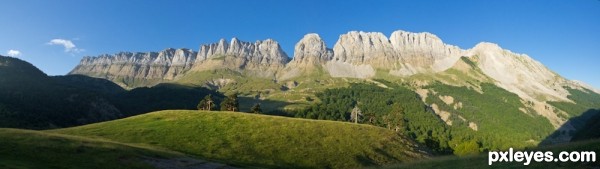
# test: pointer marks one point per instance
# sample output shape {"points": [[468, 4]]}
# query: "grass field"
{"points": [[36, 149], [259, 140]]}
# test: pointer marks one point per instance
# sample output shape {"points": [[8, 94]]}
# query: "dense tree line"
{"points": [[396, 108], [496, 112], [501, 124]]}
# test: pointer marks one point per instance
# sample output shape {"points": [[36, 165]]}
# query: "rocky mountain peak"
{"points": [[403, 54], [486, 47], [263, 57], [519, 73], [310, 53], [360, 47], [264, 51]]}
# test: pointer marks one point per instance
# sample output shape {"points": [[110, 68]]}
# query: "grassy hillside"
{"points": [[481, 161], [35, 149], [259, 140]]}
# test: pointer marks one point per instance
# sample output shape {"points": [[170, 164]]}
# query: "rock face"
{"points": [[520, 74], [310, 54], [164, 65], [404, 54], [354, 55], [262, 58]]}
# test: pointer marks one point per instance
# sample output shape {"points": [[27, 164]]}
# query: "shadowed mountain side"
{"points": [[30, 99], [83, 82], [267, 105], [163, 96], [481, 161], [591, 129], [579, 125], [585, 106]]}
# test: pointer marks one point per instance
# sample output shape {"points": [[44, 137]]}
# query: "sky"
{"points": [[54, 35]]}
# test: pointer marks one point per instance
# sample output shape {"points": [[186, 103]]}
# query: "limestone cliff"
{"points": [[261, 58], [520, 74], [403, 54], [124, 67], [310, 56]]}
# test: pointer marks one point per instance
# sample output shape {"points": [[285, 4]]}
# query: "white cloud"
{"points": [[69, 46], [13, 53]]}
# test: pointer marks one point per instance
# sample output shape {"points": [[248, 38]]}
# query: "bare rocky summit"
{"points": [[261, 58], [403, 54], [310, 56]]}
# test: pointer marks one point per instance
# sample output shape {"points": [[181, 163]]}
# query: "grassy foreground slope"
{"points": [[259, 140], [481, 161], [35, 149]]}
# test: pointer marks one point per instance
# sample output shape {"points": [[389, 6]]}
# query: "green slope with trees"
{"points": [[260, 140], [496, 112], [394, 107], [501, 124]]}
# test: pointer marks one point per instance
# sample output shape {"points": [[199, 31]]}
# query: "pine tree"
{"points": [[354, 115], [256, 109], [207, 103], [230, 103], [395, 119], [202, 105]]}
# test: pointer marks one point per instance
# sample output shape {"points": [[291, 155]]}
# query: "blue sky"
{"points": [[54, 34]]}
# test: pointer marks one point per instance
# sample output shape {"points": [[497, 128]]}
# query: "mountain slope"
{"points": [[30, 99], [260, 140]]}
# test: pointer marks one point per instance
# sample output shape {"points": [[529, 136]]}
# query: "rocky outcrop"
{"points": [[423, 52], [262, 58], [164, 65], [404, 54], [310, 55], [519, 73]]}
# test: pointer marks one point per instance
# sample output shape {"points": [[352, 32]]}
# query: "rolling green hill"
{"points": [[259, 140], [36, 149]]}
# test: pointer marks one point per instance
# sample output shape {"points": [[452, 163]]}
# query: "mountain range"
{"points": [[431, 99], [417, 59]]}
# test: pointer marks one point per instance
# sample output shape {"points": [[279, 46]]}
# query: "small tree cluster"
{"points": [[207, 103], [230, 103]]}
